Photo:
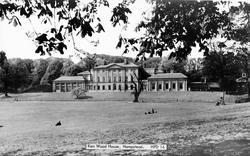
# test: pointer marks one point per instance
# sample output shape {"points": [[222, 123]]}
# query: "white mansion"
{"points": [[117, 77], [114, 77]]}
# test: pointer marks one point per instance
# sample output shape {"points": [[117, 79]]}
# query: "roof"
{"points": [[69, 78], [122, 65], [84, 73], [168, 76]]}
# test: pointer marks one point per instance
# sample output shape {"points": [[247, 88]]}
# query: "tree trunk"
{"points": [[248, 74], [5, 89], [136, 97]]}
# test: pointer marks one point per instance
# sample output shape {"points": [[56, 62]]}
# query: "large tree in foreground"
{"points": [[173, 25], [178, 26]]}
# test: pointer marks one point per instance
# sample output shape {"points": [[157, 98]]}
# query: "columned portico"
{"points": [[167, 82]]}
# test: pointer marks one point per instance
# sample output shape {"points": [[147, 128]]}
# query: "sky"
{"points": [[15, 42]]}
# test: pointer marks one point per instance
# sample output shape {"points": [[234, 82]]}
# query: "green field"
{"points": [[189, 123]]}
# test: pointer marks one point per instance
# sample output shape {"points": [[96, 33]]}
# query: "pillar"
{"points": [[54, 87], [60, 87], [156, 85], [162, 85]]}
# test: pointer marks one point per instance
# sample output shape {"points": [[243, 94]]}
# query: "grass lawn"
{"points": [[193, 125], [161, 97]]}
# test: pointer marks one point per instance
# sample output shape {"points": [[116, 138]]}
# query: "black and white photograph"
{"points": [[125, 77]]}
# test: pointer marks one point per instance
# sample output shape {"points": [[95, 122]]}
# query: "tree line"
{"points": [[37, 75], [18, 75]]}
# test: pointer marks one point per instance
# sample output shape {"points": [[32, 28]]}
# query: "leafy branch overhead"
{"points": [[66, 17], [180, 25], [175, 26]]}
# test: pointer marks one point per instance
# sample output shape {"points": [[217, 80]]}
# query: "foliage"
{"points": [[241, 32], [179, 26], [224, 68], [168, 65], [4, 66], [153, 62], [19, 74], [73, 70], [137, 81], [90, 62], [66, 64], [53, 71], [40, 67], [78, 92], [174, 25], [66, 18]]}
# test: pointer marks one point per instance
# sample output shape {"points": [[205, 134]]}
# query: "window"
{"points": [[114, 87], [63, 87], [153, 86], [120, 79], [131, 87], [114, 79], [174, 86], [74, 85], [159, 86], [94, 87], [57, 86], [103, 79], [120, 87], [98, 87], [68, 87], [126, 78], [181, 85], [103, 87], [109, 79], [109, 87], [98, 79], [166, 86], [126, 87]]}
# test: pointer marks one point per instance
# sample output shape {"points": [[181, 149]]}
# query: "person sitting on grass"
{"points": [[220, 102]]}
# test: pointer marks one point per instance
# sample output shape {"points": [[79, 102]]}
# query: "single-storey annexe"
{"points": [[167, 82], [67, 83]]}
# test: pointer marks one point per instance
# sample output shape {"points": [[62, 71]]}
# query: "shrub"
{"points": [[78, 92]]}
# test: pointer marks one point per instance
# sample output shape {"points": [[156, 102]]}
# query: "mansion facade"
{"points": [[116, 77]]}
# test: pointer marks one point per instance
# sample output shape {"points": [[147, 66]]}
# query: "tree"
{"points": [[241, 31], [53, 71], [174, 25], [90, 62], [73, 70], [39, 71], [168, 65], [67, 18], [137, 81], [4, 72], [67, 63], [19, 74], [178, 26], [78, 92], [225, 68]]}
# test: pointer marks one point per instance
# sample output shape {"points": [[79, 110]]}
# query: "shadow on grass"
{"points": [[5, 97], [84, 97], [242, 100], [13, 152], [226, 148]]}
